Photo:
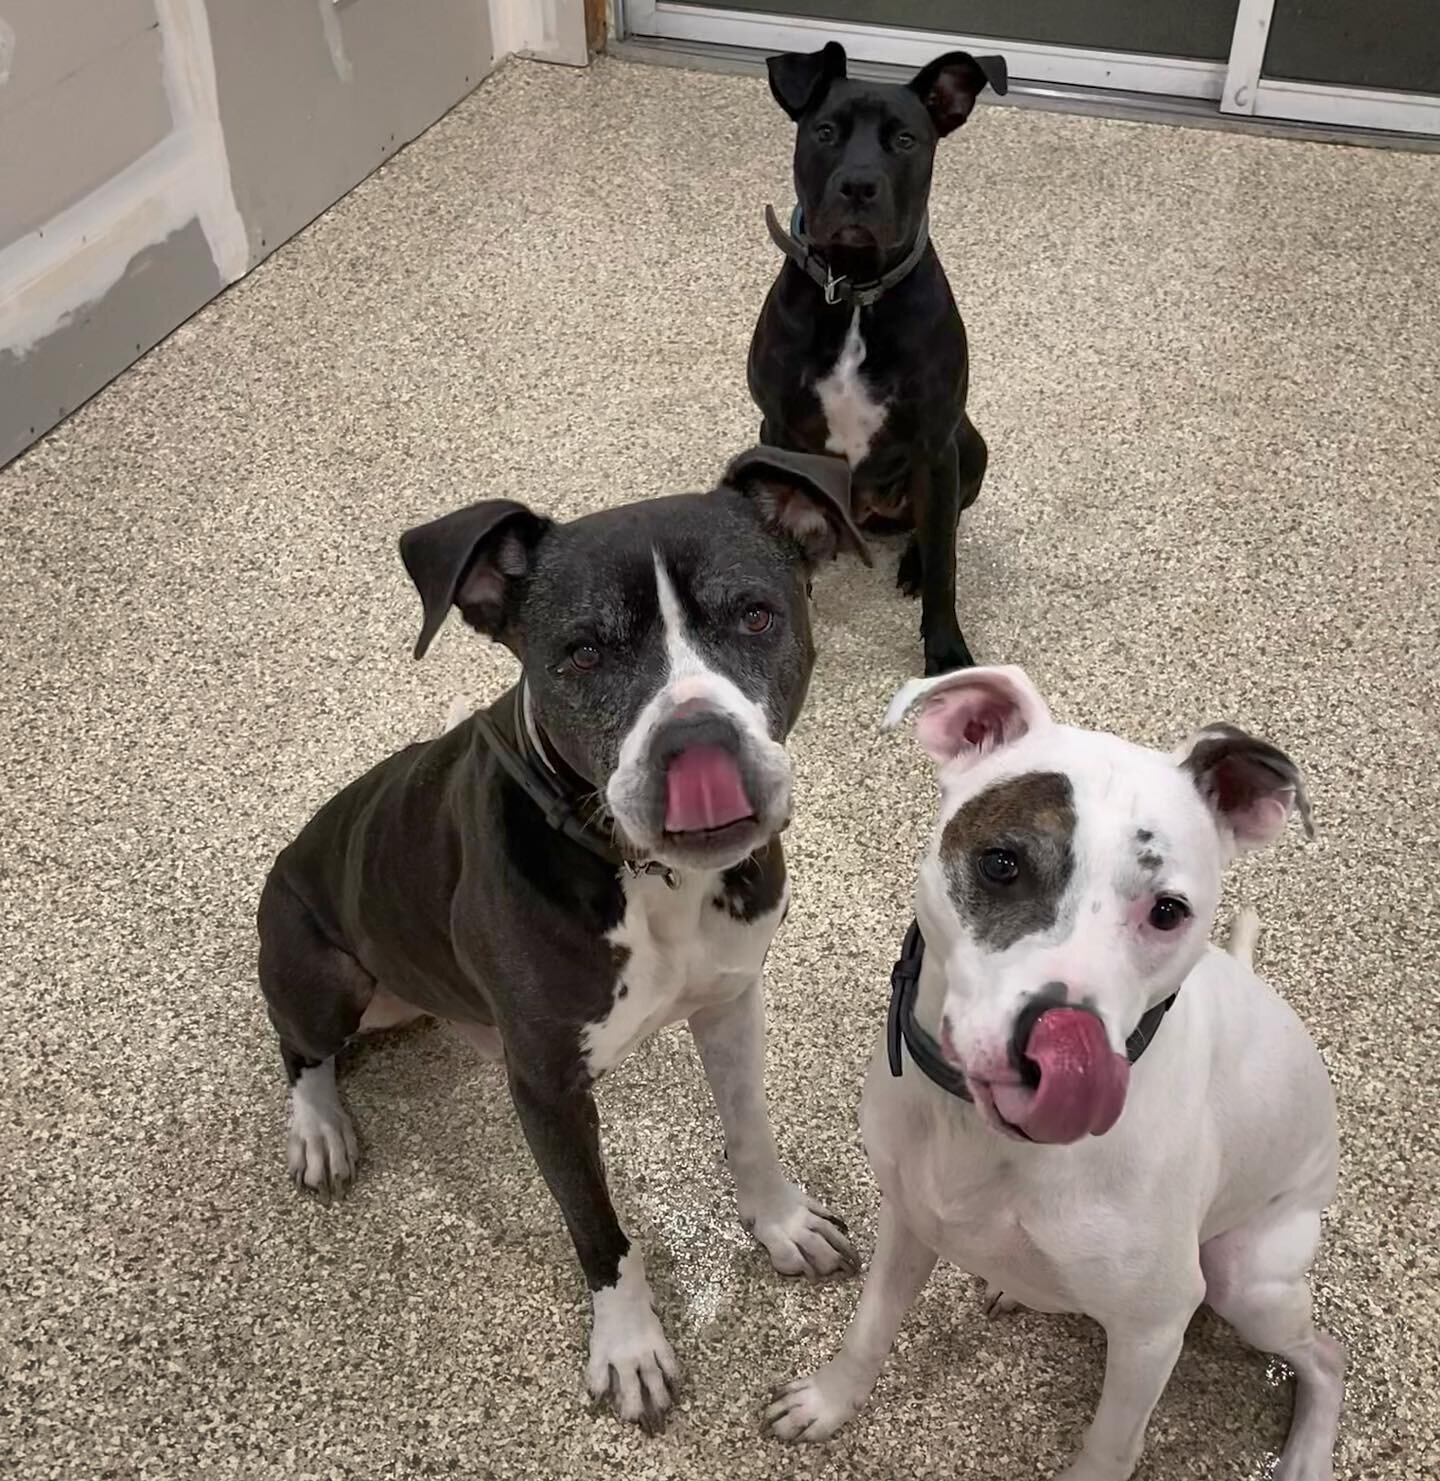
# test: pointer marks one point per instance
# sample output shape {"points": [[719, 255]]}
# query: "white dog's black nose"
{"points": [[1049, 996]]}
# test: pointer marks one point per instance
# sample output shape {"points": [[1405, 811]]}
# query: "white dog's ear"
{"points": [[1250, 785], [966, 714]]}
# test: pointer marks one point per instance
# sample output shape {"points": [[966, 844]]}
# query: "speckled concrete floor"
{"points": [[1207, 367]]}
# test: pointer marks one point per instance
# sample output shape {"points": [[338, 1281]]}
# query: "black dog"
{"points": [[594, 857], [860, 349]]}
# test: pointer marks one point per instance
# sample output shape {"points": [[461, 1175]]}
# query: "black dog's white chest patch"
{"points": [[853, 417], [681, 949]]}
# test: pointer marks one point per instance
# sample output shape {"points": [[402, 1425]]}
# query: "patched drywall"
{"points": [[152, 151], [84, 98]]}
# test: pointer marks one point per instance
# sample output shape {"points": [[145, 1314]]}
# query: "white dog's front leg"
{"points": [[801, 1237], [1138, 1365], [814, 1408]]}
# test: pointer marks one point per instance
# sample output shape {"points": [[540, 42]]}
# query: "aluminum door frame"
{"points": [[1248, 92], [1034, 61], [1238, 88]]}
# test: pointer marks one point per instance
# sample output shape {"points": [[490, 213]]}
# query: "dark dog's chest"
{"points": [[882, 387], [677, 951]]}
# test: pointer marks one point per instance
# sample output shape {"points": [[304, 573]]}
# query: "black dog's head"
{"points": [[864, 150], [666, 645]]}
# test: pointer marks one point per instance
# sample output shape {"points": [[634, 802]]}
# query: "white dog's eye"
{"points": [[998, 866], [1167, 912]]}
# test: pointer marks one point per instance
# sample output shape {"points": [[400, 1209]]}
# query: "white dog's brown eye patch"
{"points": [[1032, 817]]}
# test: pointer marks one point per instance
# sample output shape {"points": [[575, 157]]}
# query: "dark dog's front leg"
{"points": [[936, 498], [630, 1359]]}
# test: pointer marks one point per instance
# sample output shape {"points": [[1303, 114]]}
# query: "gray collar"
{"points": [[525, 758], [796, 246]]}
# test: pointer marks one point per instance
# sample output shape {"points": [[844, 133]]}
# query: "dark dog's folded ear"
{"points": [[1251, 786], [799, 79], [803, 498], [949, 85], [471, 559]]}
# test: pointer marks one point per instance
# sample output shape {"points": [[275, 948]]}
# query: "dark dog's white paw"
{"points": [[801, 1236], [321, 1151], [631, 1362], [812, 1409]]}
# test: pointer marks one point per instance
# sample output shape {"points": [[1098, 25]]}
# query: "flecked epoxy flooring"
{"points": [[1207, 369]]}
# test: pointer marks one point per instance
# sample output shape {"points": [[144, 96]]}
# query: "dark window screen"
{"points": [[1172, 28], [1388, 44]]}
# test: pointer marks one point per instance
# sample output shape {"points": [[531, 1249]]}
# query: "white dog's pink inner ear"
{"points": [[966, 722]]}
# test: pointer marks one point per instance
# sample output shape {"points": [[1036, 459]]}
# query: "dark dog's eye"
{"points": [[757, 619], [904, 141], [1168, 912], [998, 866], [825, 133], [585, 656]]}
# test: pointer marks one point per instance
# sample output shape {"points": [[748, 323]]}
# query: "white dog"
{"points": [[1065, 902]]}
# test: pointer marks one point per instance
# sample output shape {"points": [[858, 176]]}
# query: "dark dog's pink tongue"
{"points": [[704, 789], [1082, 1080]]}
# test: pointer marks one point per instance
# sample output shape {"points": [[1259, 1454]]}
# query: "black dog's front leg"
{"points": [[935, 497], [630, 1360]]}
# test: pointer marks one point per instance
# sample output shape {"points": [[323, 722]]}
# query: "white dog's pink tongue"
{"points": [[1082, 1080], [704, 789]]}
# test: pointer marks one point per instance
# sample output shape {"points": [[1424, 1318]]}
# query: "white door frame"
{"points": [[1178, 77], [1249, 91], [1239, 88]]}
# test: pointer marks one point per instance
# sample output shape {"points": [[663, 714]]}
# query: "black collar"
{"points": [[796, 246], [901, 1025], [533, 771]]}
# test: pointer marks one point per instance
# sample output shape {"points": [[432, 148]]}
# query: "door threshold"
{"points": [[1046, 97]]}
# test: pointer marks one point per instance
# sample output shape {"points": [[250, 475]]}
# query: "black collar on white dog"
{"points": [[901, 1027], [796, 246], [527, 765]]}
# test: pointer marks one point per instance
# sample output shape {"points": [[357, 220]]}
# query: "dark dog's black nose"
{"points": [[694, 724], [861, 189]]}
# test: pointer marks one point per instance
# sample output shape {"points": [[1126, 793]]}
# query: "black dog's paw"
{"points": [[907, 577], [945, 654]]}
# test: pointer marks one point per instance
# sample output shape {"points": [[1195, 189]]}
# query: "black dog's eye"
{"points": [[904, 141], [825, 133], [998, 866], [1167, 912], [585, 656], [757, 619]]}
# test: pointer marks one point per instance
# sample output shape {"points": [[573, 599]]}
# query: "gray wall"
{"points": [[145, 164]]}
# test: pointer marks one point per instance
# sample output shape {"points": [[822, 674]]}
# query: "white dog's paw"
{"points": [[812, 1409], [631, 1362], [321, 1151], [1085, 1469], [801, 1236], [996, 1303]]}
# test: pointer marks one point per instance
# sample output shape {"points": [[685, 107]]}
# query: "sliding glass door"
{"points": [[1372, 64]]}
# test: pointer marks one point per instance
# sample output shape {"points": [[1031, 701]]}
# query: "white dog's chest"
{"points": [[683, 949], [853, 415], [965, 1202]]}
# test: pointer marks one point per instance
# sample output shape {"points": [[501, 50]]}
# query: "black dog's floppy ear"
{"points": [[801, 497], [799, 79], [1251, 786], [949, 85], [470, 559]]}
